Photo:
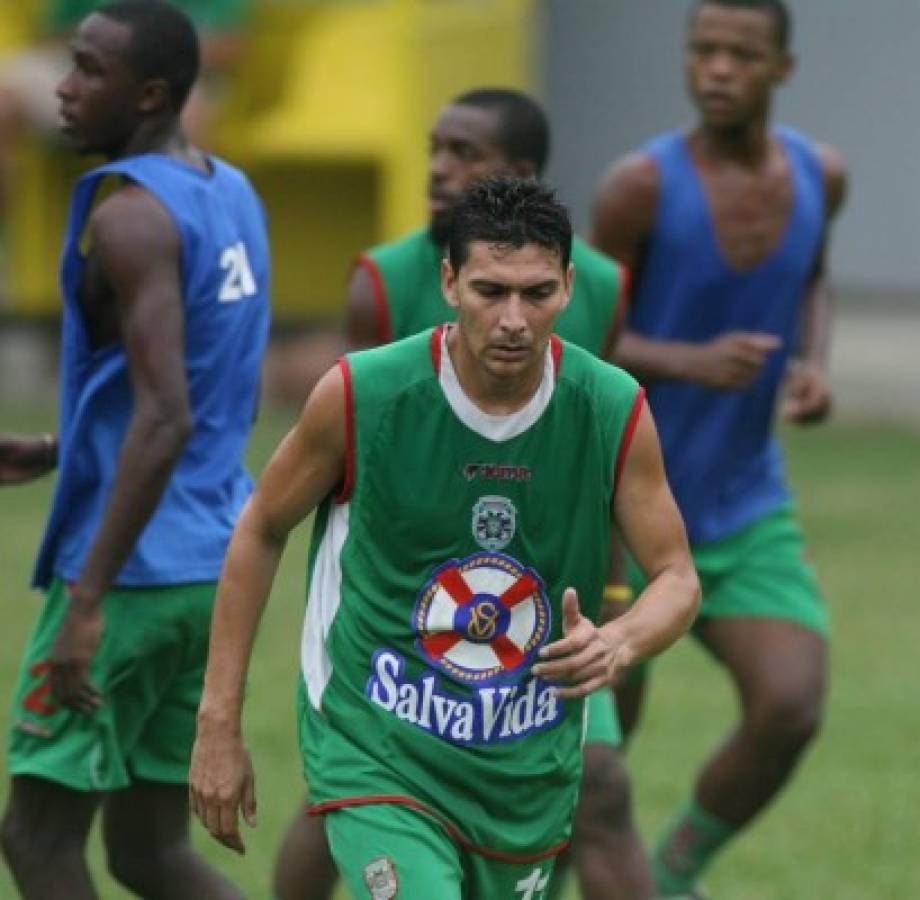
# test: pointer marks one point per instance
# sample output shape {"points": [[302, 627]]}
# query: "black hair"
{"points": [[164, 44], [512, 212], [776, 9], [523, 130]]}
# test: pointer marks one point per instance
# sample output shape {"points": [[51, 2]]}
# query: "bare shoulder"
{"points": [[835, 177], [132, 224], [324, 409], [624, 208], [633, 177]]}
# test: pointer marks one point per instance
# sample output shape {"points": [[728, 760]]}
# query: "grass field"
{"points": [[846, 831]]}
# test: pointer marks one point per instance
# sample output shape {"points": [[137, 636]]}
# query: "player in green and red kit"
{"points": [[465, 480], [394, 292]]}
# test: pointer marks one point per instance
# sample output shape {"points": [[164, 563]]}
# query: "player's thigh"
{"points": [[47, 740], [387, 850], [172, 680], [499, 880]]}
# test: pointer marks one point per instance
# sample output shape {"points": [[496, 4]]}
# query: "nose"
{"points": [[721, 66], [512, 321], [65, 88], [439, 166]]}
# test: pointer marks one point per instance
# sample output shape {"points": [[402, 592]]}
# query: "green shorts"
{"points": [[603, 725], [762, 571], [149, 669], [389, 850]]}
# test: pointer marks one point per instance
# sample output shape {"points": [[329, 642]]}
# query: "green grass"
{"points": [[845, 831]]}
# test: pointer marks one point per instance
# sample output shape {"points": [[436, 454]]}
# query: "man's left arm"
{"points": [[138, 251], [589, 657], [807, 392]]}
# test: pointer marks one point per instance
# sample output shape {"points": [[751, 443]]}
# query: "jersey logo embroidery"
{"points": [[381, 878], [494, 520], [496, 472], [481, 618]]}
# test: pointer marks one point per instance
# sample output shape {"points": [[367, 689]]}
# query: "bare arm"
{"points": [[138, 252], [622, 221], [26, 457], [305, 468], [363, 306], [807, 395], [589, 657]]}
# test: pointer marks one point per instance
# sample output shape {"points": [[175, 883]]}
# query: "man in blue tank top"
{"points": [[165, 317], [725, 228]]}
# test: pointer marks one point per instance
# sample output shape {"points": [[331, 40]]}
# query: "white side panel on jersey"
{"points": [[323, 601]]}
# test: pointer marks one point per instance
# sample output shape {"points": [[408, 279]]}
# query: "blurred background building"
{"points": [[329, 102]]}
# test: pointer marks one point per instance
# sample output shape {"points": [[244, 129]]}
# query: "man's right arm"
{"points": [[622, 221], [305, 468], [363, 325]]}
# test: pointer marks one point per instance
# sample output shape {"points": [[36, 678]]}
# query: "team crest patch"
{"points": [[494, 520], [381, 878], [482, 617]]}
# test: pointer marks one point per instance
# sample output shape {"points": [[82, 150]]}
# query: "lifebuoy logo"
{"points": [[480, 621]]}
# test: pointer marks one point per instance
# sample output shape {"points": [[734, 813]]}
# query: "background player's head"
{"points": [[134, 65], [507, 271], [737, 52], [484, 132]]}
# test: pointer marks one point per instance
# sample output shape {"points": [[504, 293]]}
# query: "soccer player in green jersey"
{"points": [[465, 481], [395, 291]]}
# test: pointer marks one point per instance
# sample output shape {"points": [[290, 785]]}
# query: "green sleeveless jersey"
{"points": [[437, 574], [406, 275]]}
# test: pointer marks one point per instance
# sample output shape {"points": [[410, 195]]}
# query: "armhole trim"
{"points": [[626, 441], [436, 341], [620, 310], [348, 482], [384, 324], [556, 347]]}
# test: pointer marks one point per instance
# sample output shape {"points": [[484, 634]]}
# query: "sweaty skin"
{"points": [[733, 63], [507, 302]]}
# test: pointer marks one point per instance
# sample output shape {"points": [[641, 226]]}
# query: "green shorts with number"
{"points": [[603, 725], [395, 851], [149, 670], [762, 571]]}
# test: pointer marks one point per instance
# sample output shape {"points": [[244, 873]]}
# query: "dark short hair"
{"points": [[523, 130], [512, 212], [164, 44], [776, 9]]}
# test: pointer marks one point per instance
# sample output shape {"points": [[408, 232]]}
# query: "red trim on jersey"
{"points": [[348, 482], [619, 314], [555, 348], [384, 325], [436, 337], [628, 433], [453, 832]]}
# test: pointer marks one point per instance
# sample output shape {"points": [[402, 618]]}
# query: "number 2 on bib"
{"points": [[238, 281]]}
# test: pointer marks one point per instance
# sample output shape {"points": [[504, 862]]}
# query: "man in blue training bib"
{"points": [[725, 228], [165, 279]]}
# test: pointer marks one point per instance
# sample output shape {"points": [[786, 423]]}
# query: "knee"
{"points": [[786, 723], [14, 842], [605, 800], [23, 849], [142, 870]]}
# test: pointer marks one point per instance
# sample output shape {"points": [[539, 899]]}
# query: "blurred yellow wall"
{"points": [[329, 114]]}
